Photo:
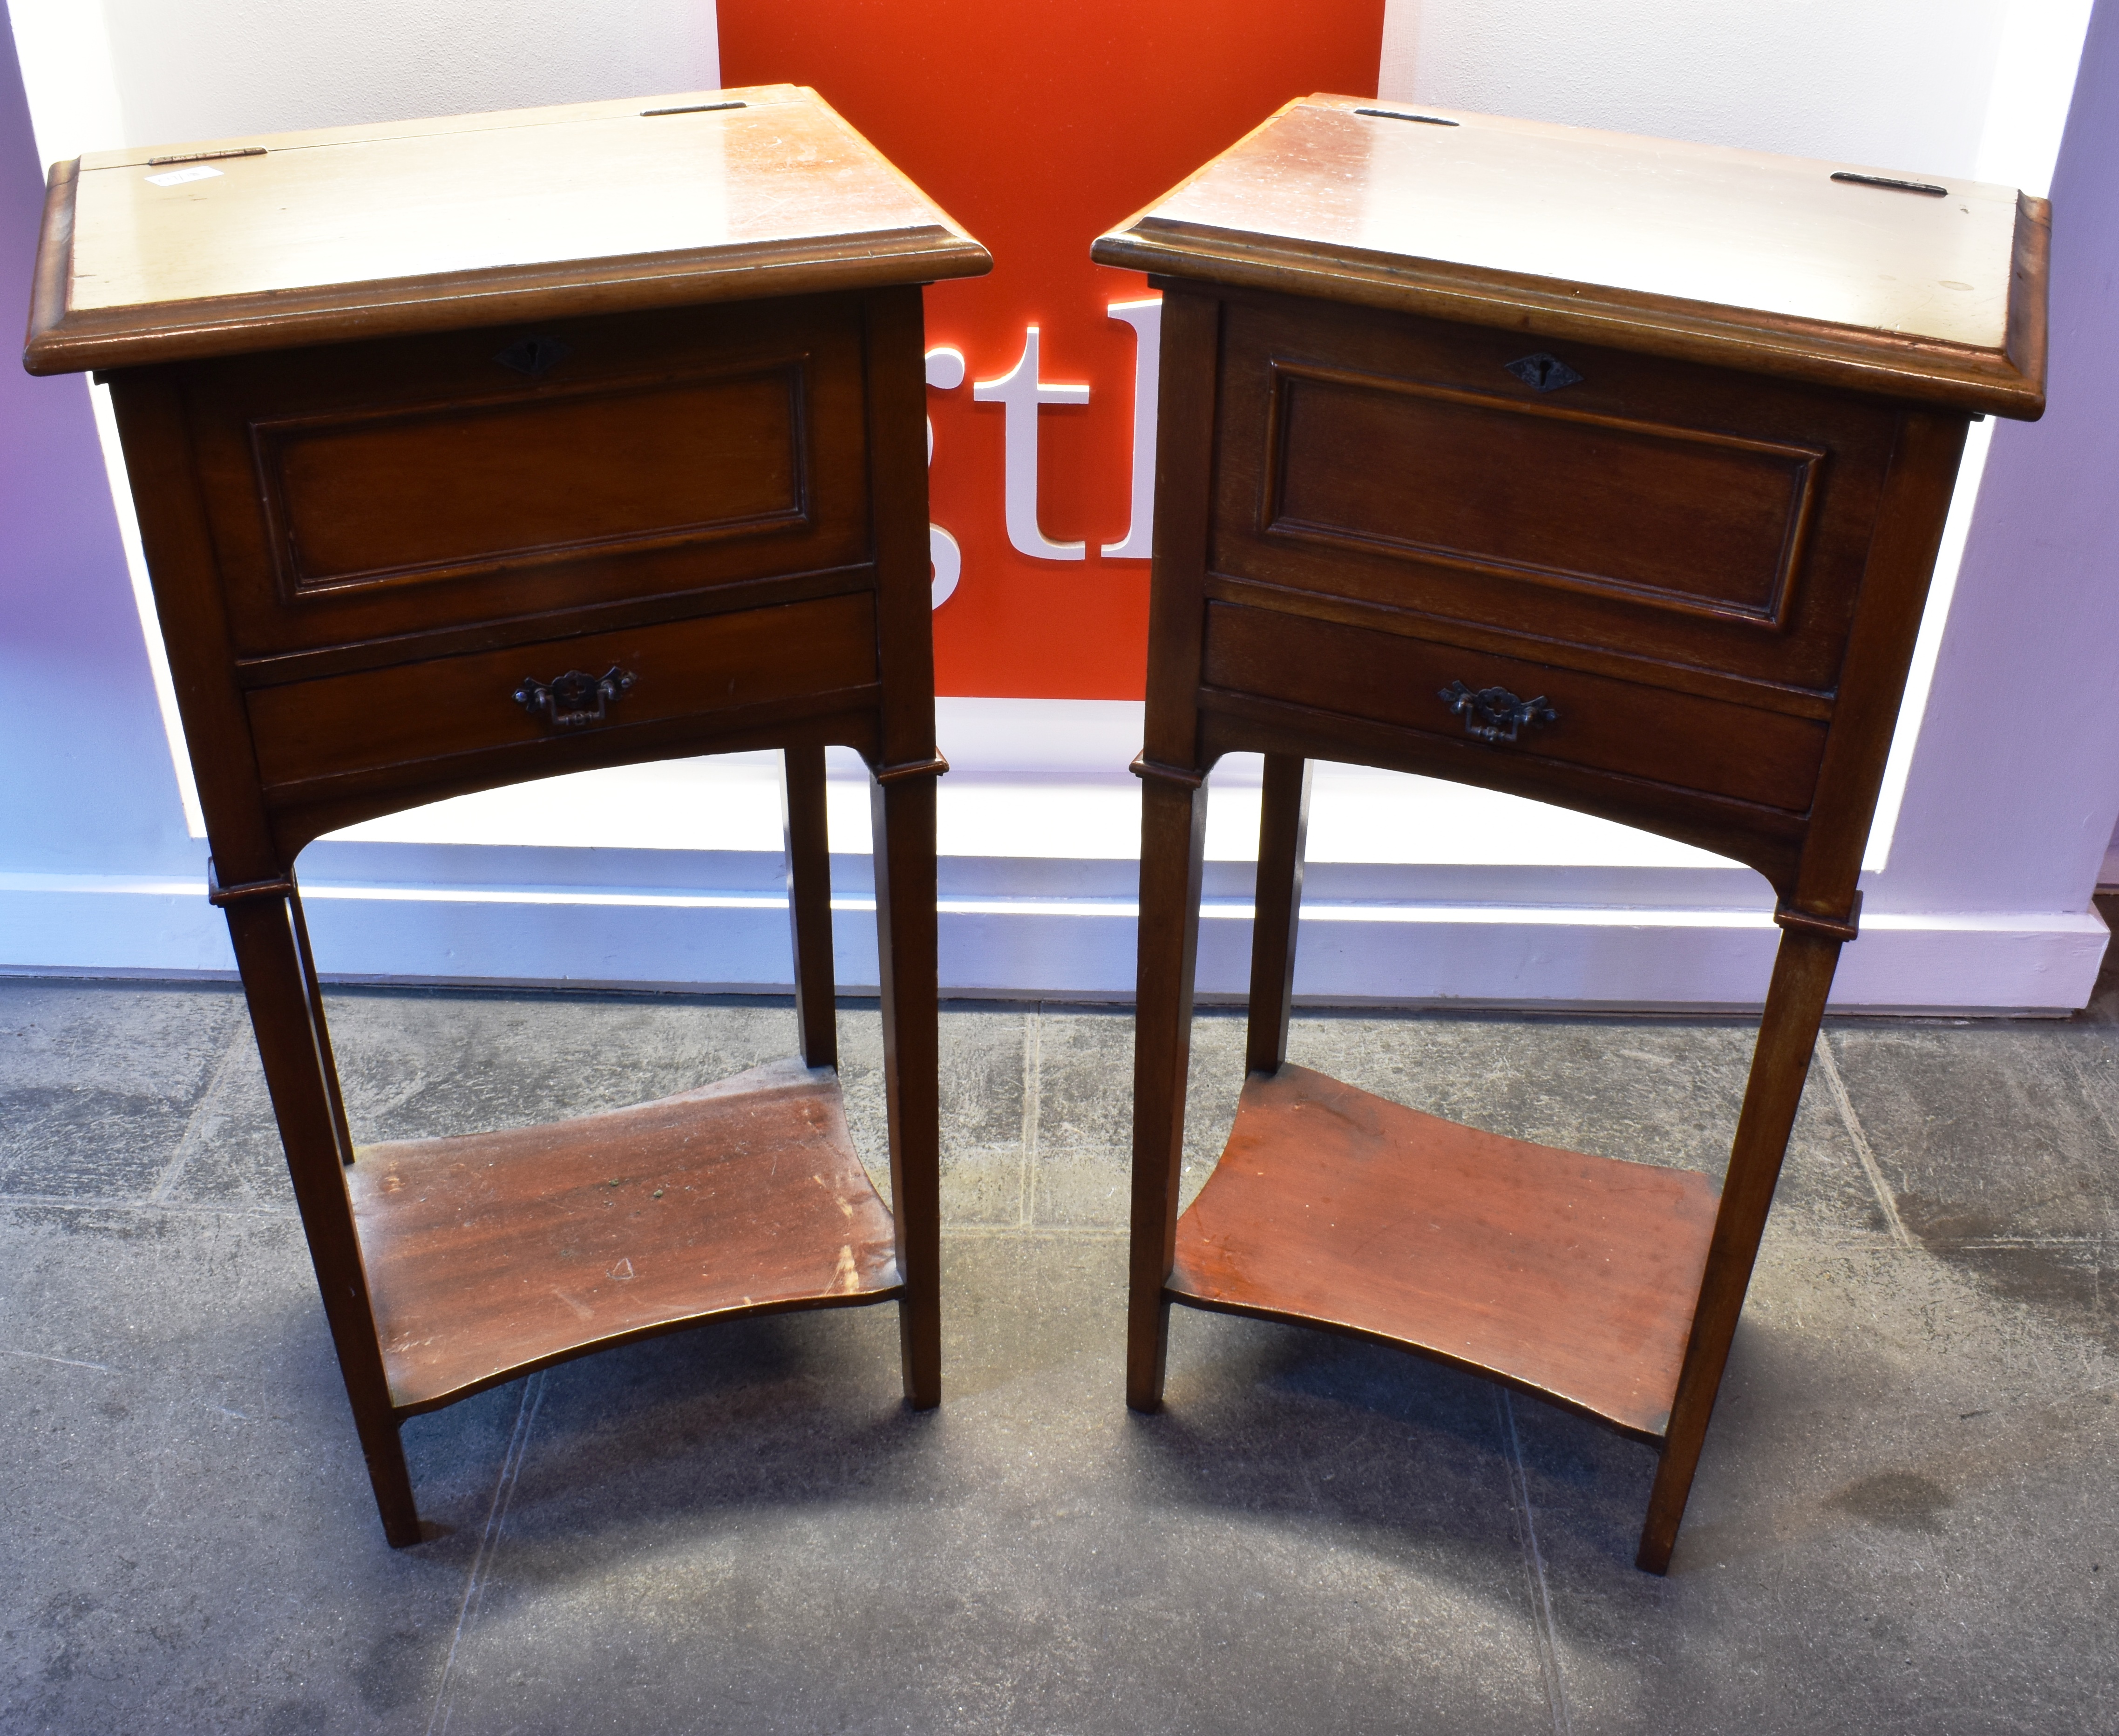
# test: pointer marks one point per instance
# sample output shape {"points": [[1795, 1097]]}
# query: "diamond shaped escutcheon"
{"points": [[1542, 372], [533, 356]]}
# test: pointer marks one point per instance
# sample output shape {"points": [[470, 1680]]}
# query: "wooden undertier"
{"points": [[1571, 1276], [492, 1253]]}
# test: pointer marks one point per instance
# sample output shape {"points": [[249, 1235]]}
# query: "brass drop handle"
{"points": [[573, 698], [1494, 714]]}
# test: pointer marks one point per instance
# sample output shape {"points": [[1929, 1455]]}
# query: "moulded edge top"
{"points": [[1203, 231], [293, 277]]}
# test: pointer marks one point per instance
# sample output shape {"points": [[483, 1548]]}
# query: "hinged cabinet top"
{"points": [[1918, 286], [232, 245]]}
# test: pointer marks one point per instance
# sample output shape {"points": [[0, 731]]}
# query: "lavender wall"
{"points": [[2011, 799], [2017, 770], [85, 784]]}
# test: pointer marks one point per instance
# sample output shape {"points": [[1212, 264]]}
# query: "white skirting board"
{"points": [[670, 876], [1351, 952]]}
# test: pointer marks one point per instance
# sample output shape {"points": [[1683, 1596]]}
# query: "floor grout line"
{"points": [[1033, 1092], [181, 1208], [1548, 1637], [2072, 1062], [503, 1491], [64, 1362], [288, 1214], [1862, 1149], [988, 1231], [188, 1143]]}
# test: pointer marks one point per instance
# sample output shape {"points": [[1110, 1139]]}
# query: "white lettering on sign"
{"points": [[178, 177], [1145, 319], [945, 370], [1020, 393], [947, 560]]}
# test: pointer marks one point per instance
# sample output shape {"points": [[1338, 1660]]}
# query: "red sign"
{"points": [[1038, 126]]}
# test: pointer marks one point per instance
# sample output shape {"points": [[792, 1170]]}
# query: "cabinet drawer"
{"points": [[1644, 508], [1755, 756], [450, 707], [417, 484]]}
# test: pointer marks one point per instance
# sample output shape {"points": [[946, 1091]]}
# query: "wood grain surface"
{"points": [[1763, 757], [1659, 436], [1569, 1275], [547, 503], [412, 713], [1400, 461], [423, 226], [1770, 263], [492, 1253], [1768, 838]]}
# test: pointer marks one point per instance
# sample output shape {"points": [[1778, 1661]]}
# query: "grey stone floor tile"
{"points": [[231, 1156], [1901, 1521], [1085, 1079], [983, 1188], [1904, 1520], [416, 1066], [2074, 1287], [1999, 1129], [1652, 1091], [1216, 1080], [772, 1545], [984, 1063], [1655, 1093], [1661, 1091], [1089, 1188], [1082, 1167], [190, 1541], [1081, 1188], [421, 1064], [98, 1082]]}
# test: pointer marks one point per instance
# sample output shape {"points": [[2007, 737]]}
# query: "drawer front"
{"points": [[1621, 503], [1761, 756], [372, 490], [450, 707]]}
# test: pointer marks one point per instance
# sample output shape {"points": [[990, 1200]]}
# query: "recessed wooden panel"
{"points": [[1574, 1276], [367, 492], [1468, 416], [490, 1253], [1532, 490], [306, 730], [632, 468], [1761, 756], [1649, 508], [489, 483]]}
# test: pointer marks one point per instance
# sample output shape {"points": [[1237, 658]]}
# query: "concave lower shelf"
{"points": [[1571, 1276], [490, 1253]]}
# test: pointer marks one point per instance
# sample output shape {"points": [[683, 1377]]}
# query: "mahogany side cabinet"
{"points": [[1598, 469], [468, 451]]}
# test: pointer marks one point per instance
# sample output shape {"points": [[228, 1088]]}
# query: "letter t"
{"points": [[1021, 391]]}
